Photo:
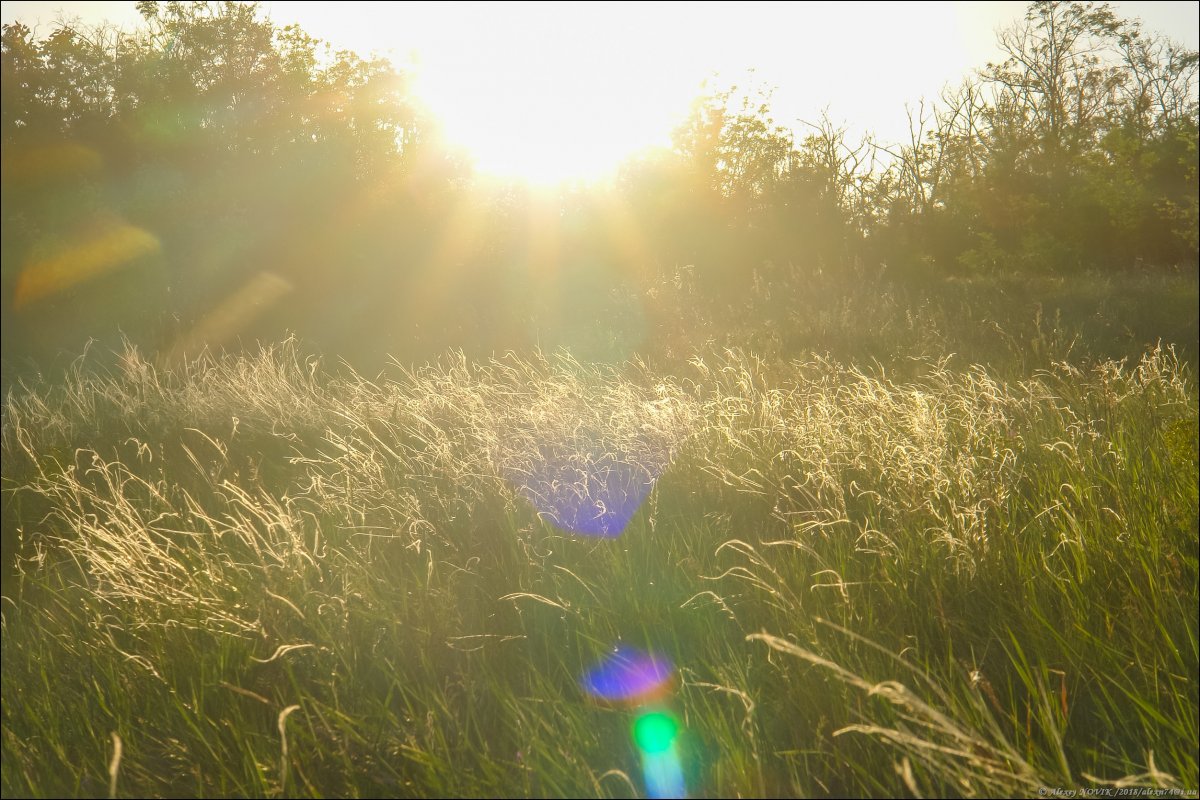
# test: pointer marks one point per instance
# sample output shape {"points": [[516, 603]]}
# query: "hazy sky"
{"points": [[616, 76]]}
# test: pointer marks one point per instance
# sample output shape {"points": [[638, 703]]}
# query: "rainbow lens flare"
{"points": [[591, 496], [632, 676], [655, 733], [628, 676]]}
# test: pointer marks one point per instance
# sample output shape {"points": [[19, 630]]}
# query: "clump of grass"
{"points": [[262, 577]]}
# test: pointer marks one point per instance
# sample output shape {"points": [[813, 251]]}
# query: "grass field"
{"points": [[263, 575]]}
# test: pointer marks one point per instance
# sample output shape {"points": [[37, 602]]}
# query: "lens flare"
{"points": [[628, 676], [45, 165], [631, 676], [229, 317], [655, 732], [114, 246], [590, 495], [663, 773]]}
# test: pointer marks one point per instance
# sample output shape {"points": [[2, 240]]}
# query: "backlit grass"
{"points": [[268, 577]]}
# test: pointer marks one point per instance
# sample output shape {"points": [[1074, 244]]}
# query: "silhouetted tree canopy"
{"points": [[212, 176]]}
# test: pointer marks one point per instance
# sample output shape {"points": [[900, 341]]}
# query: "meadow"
{"points": [[364, 437], [883, 574]]}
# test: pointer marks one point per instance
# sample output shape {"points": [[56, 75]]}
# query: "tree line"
{"points": [[212, 175]]}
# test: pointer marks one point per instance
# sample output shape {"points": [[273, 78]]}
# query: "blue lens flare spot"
{"points": [[628, 675], [593, 496]]}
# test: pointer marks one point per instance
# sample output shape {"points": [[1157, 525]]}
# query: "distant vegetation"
{"points": [[890, 452], [211, 177]]}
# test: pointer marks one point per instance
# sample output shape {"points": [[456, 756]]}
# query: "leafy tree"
{"points": [[238, 148]]}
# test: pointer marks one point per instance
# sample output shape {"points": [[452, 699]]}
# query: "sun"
{"points": [[546, 98], [543, 129]]}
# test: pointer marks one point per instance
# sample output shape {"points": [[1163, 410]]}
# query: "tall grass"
{"points": [[260, 576]]}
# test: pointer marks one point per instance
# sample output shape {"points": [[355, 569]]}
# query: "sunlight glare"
{"points": [[547, 98]]}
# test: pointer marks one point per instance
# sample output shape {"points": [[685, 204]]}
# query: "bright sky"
{"points": [[548, 90]]}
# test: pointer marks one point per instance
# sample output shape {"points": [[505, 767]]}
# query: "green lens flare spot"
{"points": [[655, 732]]}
